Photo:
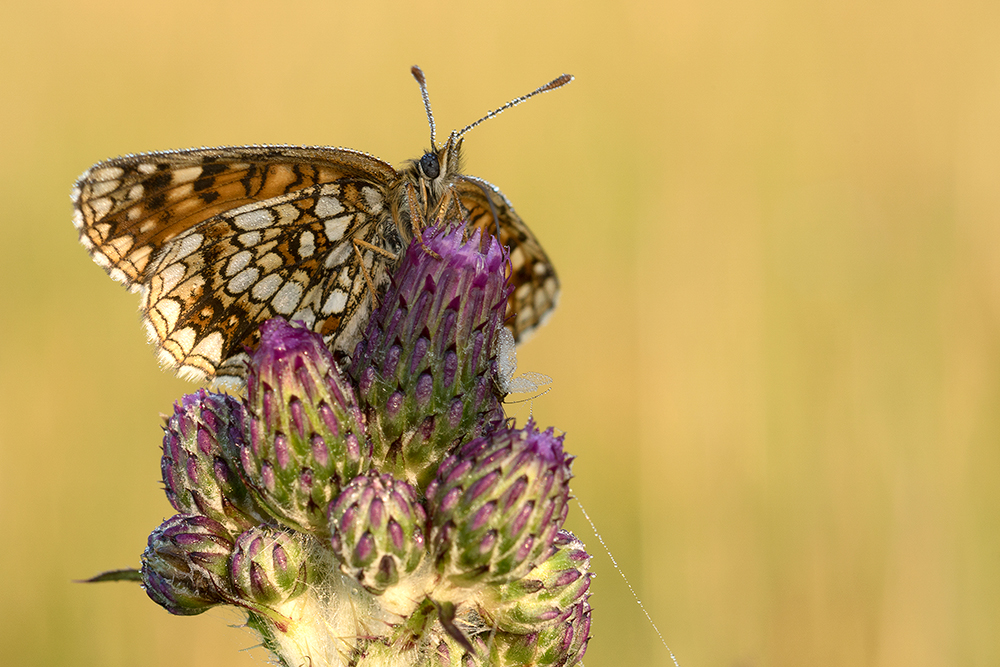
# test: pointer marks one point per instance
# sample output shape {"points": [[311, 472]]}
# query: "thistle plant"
{"points": [[381, 510]]}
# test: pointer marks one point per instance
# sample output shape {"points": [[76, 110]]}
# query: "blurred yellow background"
{"points": [[777, 355]]}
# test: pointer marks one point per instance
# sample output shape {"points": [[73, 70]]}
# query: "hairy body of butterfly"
{"points": [[217, 240]]}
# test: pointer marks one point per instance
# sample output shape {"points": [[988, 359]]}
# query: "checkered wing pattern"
{"points": [[218, 240]]}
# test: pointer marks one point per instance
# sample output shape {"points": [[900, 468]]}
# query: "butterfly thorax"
{"points": [[428, 180]]}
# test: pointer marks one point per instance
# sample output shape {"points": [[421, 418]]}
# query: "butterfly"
{"points": [[217, 240]]}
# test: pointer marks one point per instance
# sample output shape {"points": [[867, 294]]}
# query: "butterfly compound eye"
{"points": [[429, 165]]}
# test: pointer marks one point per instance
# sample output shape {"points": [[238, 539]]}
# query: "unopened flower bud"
{"points": [[377, 524], [185, 565], [268, 566], [497, 503], [307, 436], [199, 474], [424, 368]]}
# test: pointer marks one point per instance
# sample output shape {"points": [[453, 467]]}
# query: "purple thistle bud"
{"points": [[424, 368], [185, 565], [377, 524], [545, 595], [268, 566], [199, 474], [497, 504], [382, 512], [307, 436]]}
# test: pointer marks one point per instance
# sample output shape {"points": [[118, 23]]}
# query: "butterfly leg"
{"points": [[445, 205], [417, 220], [358, 244]]}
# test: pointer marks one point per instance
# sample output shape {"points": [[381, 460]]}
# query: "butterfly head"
{"points": [[422, 189], [427, 179], [437, 168], [437, 165]]}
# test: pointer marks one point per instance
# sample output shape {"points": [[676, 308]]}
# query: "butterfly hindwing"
{"points": [[290, 256], [218, 240]]}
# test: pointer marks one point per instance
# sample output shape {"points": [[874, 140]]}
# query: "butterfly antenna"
{"points": [[558, 82], [418, 74]]}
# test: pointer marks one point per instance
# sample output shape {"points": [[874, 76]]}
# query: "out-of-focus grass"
{"points": [[778, 230]]}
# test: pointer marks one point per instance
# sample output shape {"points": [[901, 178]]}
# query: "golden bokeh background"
{"points": [[777, 355]]}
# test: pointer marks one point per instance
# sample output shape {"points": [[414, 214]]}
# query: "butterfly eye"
{"points": [[429, 165]]}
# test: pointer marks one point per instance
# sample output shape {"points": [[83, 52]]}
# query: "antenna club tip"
{"points": [[559, 82], [418, 74]]}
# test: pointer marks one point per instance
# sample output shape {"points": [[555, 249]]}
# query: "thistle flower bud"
{"points": [[199, 474], [560, 645], [184, 567], [545, 595], [377, 524], [268, 566], [307, 435], [497, 503], [424, 368]]}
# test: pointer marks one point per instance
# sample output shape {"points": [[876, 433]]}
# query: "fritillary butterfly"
{"points": [[217, 240]]}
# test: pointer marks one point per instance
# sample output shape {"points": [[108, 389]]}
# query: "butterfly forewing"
{"points": [[130, 206]]}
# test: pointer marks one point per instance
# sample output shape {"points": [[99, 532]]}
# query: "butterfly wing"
{"points": [[218, 240], [536, 287]]}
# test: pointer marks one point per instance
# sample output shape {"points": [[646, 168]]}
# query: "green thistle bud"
{"points": [[545, 595], [307, 436], [185, 565], [377, 524], [268, 566], [424, 368], [562, 644], [497, 504], [199, 475]]}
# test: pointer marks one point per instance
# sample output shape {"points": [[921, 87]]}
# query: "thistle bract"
{"points": [[306, 432], [497, 503], [563, 643], [449, 653], [544, 596]]}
